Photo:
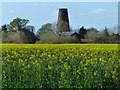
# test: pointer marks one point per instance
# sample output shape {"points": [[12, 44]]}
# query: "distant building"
{"points": [[63, 21], [63, 28], [66, 33]]}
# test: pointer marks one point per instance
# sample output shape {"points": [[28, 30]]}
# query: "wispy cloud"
{"points": [[95, 11], [99, 10]]}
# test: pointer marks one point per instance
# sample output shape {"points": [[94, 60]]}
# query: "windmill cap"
{"points": [[62, 8]]}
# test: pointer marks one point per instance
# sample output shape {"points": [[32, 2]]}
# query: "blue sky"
{"points": [[87, 14]]}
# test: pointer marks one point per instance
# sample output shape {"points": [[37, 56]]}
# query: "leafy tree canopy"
{"points": [[30, 28], [4, 28], [105, 32], [17, 24], [45, 28], [82, 32]]}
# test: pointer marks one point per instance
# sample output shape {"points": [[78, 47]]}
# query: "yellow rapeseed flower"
{"points": [[49, 67], [62, 74], [28, 65], [113, 76], [78, 71], [113, 72], [95, 73], [3, 72]]}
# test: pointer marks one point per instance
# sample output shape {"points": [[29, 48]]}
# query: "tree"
{"points": [[30, 28], [105, 32], [114, 38], [105, 35], [45, 28], [3, 33], [114, 29], [17, 24], [82, 32], [4, 28], [92, 35]]}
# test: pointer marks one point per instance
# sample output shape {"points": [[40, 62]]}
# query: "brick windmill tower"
{"points": [[63, 21]]}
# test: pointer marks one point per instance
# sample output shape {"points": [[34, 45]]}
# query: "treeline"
{"points": [[17, 31], [92, 35], [82, 35]]}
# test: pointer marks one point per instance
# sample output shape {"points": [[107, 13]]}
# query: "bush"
{"points": [[17, 37], [51, 38]]}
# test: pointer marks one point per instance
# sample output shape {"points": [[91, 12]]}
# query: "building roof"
{"points": [[65, 33]]}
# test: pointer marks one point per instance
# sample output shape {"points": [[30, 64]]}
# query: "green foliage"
{"points": [[18, 32], [16, 37], [82, 32], [5, 37], [105, 33], [51, 38], [60, 66], [114, 38], [47, 36], [91, 35], [4, 28], [104, 36], [30, 28], [45, 28], [17, 24]]}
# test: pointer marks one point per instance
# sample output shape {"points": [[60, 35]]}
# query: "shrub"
{"points": [[51, 38]]}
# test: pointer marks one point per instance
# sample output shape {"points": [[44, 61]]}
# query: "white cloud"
{"points": [[99, 10], [95, 11]]}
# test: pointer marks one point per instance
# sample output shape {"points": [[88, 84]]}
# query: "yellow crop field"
{"points": [[60, 66]]}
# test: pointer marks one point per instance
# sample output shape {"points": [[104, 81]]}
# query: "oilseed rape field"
{"points": [[60, 66]]}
